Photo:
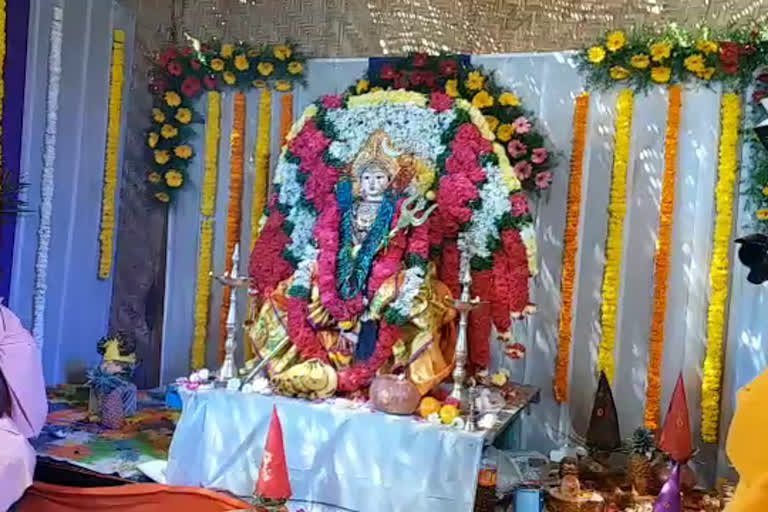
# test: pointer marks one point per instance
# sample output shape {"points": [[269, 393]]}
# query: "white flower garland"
{"points": [[47, 183], [494, 197], [412, 282], [528, 234]]}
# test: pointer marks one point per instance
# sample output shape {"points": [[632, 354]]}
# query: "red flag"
{"points": [[274, 484], [676, 439]]}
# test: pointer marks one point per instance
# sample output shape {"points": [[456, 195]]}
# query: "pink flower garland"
{"points": [[267, 267]]}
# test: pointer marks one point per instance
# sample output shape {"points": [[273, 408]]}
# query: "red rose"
{"points": [[417, 78], [759, 95], [430, 79], [448, 67], [190, 86], [730, 69], [420, 60], [401, 81], [187, 51], [196, 65], [210, 82], [387, 72], [175, 68], [729, 53], [168, 55]]}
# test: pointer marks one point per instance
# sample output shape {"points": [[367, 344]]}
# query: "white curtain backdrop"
{"points": [[547, 85]]}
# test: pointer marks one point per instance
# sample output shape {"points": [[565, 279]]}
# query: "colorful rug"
{"points": [[71, 436]]}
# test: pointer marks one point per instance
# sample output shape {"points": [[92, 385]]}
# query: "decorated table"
{"points": [[338, 453]]}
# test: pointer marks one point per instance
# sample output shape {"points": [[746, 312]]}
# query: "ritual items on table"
{"points": [[113, 394], [568, 495]]}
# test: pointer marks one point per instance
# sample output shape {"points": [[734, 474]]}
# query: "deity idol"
{"points": [[372, 303]]}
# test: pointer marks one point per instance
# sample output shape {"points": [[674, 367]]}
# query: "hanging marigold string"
{"points": [[235, 213], [719, 270], [207, 208], [261, 180], [571, 247], [107, 233], [286, 116], [663, 257], [617, 210]]}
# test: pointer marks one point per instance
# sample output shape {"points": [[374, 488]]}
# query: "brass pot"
{"points": [[394, 395]]}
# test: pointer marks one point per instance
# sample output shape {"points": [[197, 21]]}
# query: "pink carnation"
{"points": [[332, 101], [523, 169], [310, 143], [453, 197], [469, 135], [441, 102], [319, 186], [522, 125], [544, 179], [516, 148], [539, 156], [519, 204]]}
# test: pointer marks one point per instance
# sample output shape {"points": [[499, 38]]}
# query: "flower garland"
{"points": [[512, 126], [614, 244], [181, 75], [719, 273], [107, 233], [47, 179], [571, 248], [663, 257], [207, 209], [757, 165], [673, 54], [261, 179], [286, 117], [234, 214], [202, 293]]}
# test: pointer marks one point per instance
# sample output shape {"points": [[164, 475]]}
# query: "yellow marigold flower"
{"points": [[184, 115], [259, 84], [172, 99], [241, 62], [362, 86], [265, 68], [508, 99], [154, 177], [615, 40], [661, 74], [295, 68], [596, 54], [452, 88], [640, 61], [482, 100], [505, 132], [282, 52], [376, 89], [254, 52], [152, 139], [217, 64], [475, 81], [162, 156], [619, 73], [660, 51], [706, 73], [162, 197], [227, 50], [183, 151], [229, 77], [168, 131], [174, 178], [158, 116], [765, 190], [762, 214], [283, 85], [707, 46], [695, 63], [493, 122]]}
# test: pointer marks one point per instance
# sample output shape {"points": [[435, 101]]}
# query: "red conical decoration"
{"points": [[676, 439], [273, 484]]}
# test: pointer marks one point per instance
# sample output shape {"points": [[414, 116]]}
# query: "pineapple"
{"points": [[112, 414], [640, 470]]}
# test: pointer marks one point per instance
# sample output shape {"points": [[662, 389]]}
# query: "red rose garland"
{"points": [[480, 320], [267, 267]]}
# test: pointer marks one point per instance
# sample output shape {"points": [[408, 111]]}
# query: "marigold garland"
{"points": [[106, 236], [571, 247], [663, 257], [719, 271], [207, 208], [617, 210], [286, 117], [261, 180], [202, 293], [234, 214]]}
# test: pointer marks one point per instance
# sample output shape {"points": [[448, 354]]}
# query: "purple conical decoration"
{"points": [[669, 499]]}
